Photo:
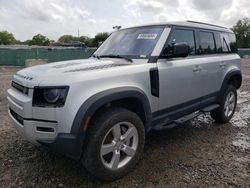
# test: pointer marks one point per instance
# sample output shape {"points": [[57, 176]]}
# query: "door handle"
{"points": [[222, 65], [197, 69]]}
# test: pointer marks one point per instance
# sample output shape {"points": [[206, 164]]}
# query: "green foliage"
{"points": [[39, 40], [26, 42], [67, 39], [84, 39], [242, 32], [100, 37], [7, 38], [91, 42]]}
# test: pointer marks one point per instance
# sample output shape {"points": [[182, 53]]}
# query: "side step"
{"points": [[195, 114], [165, 126], [186, 118], [210, 108]]}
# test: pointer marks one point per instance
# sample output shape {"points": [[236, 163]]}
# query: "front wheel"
{"points": [[115, 144], [227, 106]]}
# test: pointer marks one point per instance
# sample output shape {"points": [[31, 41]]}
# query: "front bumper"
{"points": [[20, 111], [34, 130], [40, 131]]}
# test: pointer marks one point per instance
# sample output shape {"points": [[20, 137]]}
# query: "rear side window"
{"points": [[207, 44], [225, 43], [180, 36], [218, 42], [233, 45]]}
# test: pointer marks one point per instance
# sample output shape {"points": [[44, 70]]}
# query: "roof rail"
{"points": [[206, 24]]}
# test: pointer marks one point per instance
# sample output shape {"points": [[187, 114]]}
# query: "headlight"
{"points": [[50, 96]]}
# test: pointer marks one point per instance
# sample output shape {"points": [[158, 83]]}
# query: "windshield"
{"points": [[133, 43]]}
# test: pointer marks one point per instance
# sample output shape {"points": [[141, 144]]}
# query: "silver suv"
{"points": [[98, 110]]}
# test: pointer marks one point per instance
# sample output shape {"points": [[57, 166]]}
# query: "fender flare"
{"points": [[89, 107], [227, 77]]}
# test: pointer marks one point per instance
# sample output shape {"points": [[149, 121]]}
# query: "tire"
{"points": [[104, 132], [220, 115]]}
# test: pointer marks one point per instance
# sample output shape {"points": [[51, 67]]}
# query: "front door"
{"points": [[180, 82], [180, 78]]}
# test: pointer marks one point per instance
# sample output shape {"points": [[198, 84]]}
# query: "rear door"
{"points": [[210, 62]]}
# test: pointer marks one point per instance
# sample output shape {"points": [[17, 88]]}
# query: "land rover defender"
{"points": [[143, 78]]}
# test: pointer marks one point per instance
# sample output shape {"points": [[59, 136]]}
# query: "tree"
{"points": [[100, 37], [7, 38], [84, 39], [90, 42], [26, 42], [39, 40], [67, 39], [242, 32], [70, 39]]}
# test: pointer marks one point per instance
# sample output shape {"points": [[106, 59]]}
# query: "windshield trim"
{"points": [[136, 27]]}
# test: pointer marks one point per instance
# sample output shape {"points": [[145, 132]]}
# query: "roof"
{"points": [[191, 24]]}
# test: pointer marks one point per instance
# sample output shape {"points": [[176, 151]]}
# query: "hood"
{"points": [[32, 76]]}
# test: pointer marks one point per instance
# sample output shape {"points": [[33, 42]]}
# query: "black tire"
{"points": [[98, 129], [219, 114]]}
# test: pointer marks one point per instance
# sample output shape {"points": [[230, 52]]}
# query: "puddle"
{"points": [[242, 100], [243, 160], [201, 120], [242, 113], [243, 96], [241, 117], [242, 141]]}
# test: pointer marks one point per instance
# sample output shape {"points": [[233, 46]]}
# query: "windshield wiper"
{"points": [[96, 56], [116, 56]]}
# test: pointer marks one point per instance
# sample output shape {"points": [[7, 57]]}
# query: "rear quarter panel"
{"points": [[233, 63]]}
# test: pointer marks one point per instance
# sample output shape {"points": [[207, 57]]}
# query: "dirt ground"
{"points": [[197, 154]]}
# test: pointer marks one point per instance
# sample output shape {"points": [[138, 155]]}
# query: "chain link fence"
{"points": [[17, 56], [244, 52]]}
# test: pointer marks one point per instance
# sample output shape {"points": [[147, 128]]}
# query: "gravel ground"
{"points": [[199, 154]]}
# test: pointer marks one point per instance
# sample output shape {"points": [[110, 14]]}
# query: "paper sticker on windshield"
{"points": [[147, 36]]}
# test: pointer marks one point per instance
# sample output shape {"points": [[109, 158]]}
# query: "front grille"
{"points": [[20, 88], [16, 116]]}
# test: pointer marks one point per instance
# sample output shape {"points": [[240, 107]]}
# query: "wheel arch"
{"points": [[233, 77], [97, 101]]}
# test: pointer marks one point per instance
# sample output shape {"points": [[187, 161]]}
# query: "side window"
{"points": [[225, 42], [218, 42], [180, 36], [207, 45], [233, 44]]}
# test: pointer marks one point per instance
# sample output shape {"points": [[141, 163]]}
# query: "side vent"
{"points": [[154, 81]]}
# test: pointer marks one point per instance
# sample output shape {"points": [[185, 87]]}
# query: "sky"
{"points": [[53, 18]]}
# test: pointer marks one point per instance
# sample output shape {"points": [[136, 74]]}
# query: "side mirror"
{"points": [[180, 50]]}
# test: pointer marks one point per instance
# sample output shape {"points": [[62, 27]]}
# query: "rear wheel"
{"points": [[227, 106], [115, 144]]}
